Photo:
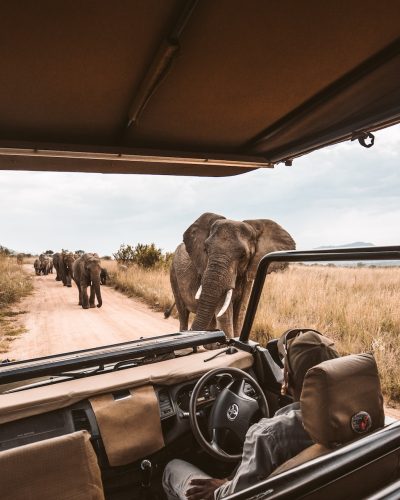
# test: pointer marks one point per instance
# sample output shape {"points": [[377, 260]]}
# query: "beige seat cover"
{"points": [[61, 468], [334, 393], [314, 451]]}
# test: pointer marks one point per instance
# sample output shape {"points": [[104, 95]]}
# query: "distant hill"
{"points": [[347, 245], [357, 244]]}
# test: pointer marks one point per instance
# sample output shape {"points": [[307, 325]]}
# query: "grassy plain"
{"points": [[14, 284], [357, 307]]}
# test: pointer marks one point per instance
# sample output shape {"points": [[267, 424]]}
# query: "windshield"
{"points": [[71, 241]]}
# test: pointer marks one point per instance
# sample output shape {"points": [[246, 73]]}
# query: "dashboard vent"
{"points": [[164, 401], [81, 420]]}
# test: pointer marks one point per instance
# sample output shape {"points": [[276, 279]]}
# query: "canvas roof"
{"points": [[195, 87]]}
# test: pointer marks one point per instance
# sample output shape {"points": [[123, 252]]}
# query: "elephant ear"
{"points": [[271, 237], [195, 236]]}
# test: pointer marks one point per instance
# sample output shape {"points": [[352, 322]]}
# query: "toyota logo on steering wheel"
{"points": [[233, 412]]}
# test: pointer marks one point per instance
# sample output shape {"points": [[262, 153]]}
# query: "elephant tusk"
{"points": [[198, 293], [226, 303]]}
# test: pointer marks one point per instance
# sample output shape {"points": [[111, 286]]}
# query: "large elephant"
{"points": [[57, 265], [214, 268], [86, 271]]}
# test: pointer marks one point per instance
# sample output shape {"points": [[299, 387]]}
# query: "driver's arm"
{"points": [[268, 444], [257, 460]]}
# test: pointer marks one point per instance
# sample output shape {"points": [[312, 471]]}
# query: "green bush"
{"points": [[147, 256]]}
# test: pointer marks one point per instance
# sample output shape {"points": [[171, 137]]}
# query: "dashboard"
{"points": [[174, 414]]}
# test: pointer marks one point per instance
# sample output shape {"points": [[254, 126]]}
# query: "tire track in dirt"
{"points": [[55, 323]]}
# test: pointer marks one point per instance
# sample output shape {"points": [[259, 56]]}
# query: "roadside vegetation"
{"points": [[14, 284], [357, 307], [142, 271], [151, 285], [146, 256]]}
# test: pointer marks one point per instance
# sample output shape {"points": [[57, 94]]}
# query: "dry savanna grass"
{"points": [[14, 284], [150, 285], [357, 307]]}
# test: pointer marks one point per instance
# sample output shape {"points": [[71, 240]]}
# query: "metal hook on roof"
{"points": [[366, 139]]}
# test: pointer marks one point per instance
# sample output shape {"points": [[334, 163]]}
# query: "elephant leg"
{"points": [[183, 312], [92, 296], [183, 320], [79, 293], [85, 298]]}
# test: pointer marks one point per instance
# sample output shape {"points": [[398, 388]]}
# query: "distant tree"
{"points": [[147, 255], [125, 254], [79, 252], [144, 255], [48, 252], [5, 251], [167, 259], [106, 257]]}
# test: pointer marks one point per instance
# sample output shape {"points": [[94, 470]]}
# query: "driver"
{"points": [[270, 442]]}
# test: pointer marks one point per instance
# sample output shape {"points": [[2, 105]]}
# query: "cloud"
{"points": [[337, 195]]}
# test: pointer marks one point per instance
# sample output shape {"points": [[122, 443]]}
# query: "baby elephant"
{"points": [[104, 276], [36, 265], [86, 272]]}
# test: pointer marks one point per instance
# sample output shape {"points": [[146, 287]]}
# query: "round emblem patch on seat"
{"points": [[361, 422]]}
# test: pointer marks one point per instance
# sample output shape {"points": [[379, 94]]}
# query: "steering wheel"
{"points": [[232, 409]]}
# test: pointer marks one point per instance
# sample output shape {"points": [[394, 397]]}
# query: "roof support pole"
{"points": [[160, 66]]}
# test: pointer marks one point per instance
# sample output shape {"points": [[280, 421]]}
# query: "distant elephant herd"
{"points": [[85, 270], [211, 275], [43, 265]]}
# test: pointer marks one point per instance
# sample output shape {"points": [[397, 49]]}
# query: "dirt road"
{"points": [[55, 323]]}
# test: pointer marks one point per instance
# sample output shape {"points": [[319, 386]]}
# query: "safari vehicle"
{"points": [[174, 87]]}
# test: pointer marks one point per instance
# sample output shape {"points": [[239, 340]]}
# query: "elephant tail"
{"points": [[167, 312]]}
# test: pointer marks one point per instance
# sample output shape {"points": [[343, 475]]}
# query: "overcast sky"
{"points": [[335, 196]]}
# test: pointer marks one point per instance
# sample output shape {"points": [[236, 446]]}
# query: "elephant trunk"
{"points": [[216, 294], [68, 278]]}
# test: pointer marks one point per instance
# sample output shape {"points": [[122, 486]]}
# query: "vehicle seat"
{"points": [[341, 401], [60, 468]]}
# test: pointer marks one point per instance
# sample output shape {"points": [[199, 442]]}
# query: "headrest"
{"points": [[303, 350], [342, 399]]}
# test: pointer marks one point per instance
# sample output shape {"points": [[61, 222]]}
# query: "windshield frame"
{"points": [[326, 255]]}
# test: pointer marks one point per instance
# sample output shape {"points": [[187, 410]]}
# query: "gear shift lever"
{"points": [[147, 470]]}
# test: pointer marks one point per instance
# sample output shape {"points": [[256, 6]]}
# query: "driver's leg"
{"points": [[177, 477]]}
